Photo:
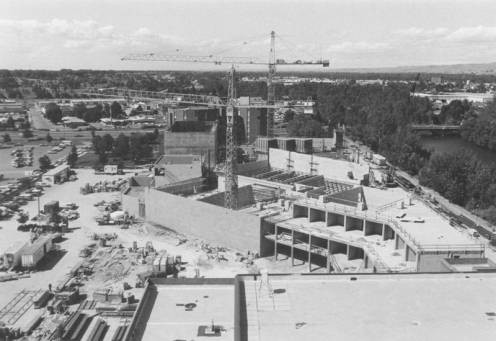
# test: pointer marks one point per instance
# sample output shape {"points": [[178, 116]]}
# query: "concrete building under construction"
{"points": [[318, 307], [317, 211]]}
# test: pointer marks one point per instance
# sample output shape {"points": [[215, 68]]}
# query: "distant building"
{"points": [[73, 122], [8, 106], [437, 80], [174, 115], [252, 117], [192, 137], [447, 97], [57, 174]]}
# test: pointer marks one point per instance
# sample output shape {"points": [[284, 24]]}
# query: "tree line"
{"points": [[135, 147], [480, 127], [464, 180]]}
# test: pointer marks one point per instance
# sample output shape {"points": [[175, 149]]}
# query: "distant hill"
{"points": [[479, 69]]}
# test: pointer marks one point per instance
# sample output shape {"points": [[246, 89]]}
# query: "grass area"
{"points": [[88, 160]]}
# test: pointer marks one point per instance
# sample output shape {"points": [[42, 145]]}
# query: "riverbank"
{"points": [[451, 144]]}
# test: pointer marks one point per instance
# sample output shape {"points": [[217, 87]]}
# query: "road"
{"points": [[41, 127]]}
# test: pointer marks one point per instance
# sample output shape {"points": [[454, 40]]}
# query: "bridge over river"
{"points": [[436, 128]]}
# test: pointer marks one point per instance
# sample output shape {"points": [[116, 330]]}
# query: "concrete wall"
{"points": [[245, 181], [215, 224], [130, 204], [251, 119], [323, 144], [433, 262], [329, 168]]}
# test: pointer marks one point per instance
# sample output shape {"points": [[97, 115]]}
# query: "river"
{"points": [[454, 143]]}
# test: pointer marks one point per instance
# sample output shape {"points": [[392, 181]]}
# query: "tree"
{"points": [[45, 163], [10, 123], [116, 109], [137, 111], [27, 133], [79, 110], [289, 115], [72, 157], [6, 138], [98, 144], [121, 146], [108, 142], [49, 138], [139, 147], [304, 127], [53, 112]]}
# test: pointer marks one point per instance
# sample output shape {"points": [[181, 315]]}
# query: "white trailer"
{"points": [[110, 169], [35, 252], [379, 159]]}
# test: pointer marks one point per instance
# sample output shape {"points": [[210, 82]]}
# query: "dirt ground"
{"points": [[197, 256]]}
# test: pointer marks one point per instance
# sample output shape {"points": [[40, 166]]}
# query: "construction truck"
{"points": [[114, 218]]}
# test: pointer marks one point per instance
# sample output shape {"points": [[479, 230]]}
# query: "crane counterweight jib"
{"points": [[217, 60]]}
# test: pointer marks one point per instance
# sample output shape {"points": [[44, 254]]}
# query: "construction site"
{"points": [[191, 247]]}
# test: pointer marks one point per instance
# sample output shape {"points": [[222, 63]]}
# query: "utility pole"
{"points": [[231, 181]]}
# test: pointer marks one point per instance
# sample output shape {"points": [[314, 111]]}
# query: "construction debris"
{"points": [[104, 186]]}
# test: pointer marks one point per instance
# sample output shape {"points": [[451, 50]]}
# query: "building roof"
{"points": [[176, 168], [137, 181], [57, 170], [72, 119], [29, 249], [172, 159], [171, 317], [434, 230], [371, 307]]}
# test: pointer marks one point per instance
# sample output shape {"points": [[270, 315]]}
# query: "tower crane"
{"points": [[230, 199]]}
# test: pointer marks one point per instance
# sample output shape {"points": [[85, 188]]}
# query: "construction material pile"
{"points": [[104, 186]]}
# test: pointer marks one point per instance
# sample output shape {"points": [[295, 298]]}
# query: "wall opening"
{"points": [[334, 219], [316, 215], [354, 224], [355, 253], [337, 247], [410, 255], [373, 228], [300, 211], [388, 232]]}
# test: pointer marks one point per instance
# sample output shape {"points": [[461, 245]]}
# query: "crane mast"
{"points": [[231, 183], [271, 93]]}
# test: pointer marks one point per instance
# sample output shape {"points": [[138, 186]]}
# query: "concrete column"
{"points": [[328, 255], [275, 243], [383, 231], [344, 221], [292, 247], [309, 253], [364, 226], [396, 241], [348, 251]]}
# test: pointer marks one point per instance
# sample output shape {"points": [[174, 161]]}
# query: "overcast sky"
{"points": [[54, 34]]}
